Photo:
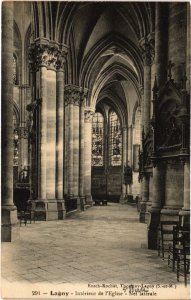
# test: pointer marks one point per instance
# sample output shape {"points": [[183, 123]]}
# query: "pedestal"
{"points": [[89, 200], [48, 210], [61, 209], [10, 230]]}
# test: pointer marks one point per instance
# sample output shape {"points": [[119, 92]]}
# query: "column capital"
{"points": [[88, 114], [147, 49], [46, 53], [72, 94]]}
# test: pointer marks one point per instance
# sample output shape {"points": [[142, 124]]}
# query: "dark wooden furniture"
{"points": [[183, 259], [165, 237], [25, 214], [24, 206], [179, 232]]}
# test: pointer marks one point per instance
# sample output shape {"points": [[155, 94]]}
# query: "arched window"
{"points": [[115, 140], [14, 69], [97, 139]]}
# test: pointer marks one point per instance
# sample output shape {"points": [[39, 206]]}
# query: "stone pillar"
{"points": [[51, 135], [66, 147], [141, 89], [185, 212], [147, 54], [70, 150], [10, 228], [44, 56], [130, 153], [124, 159], [161, 41], [76, 145], [73, 99], [147, 47], [81, 154], [177, 44], [89, 112], [60, 134], [43, 133], [23, 134], [158, 194]]}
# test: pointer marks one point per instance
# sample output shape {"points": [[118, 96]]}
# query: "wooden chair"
{"points": [[183, 259], [165, 237], [25, 213], [176, 247]]}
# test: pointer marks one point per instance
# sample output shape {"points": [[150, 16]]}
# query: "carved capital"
{"points": [[88, 114], [45, 53], [72, 94], [147, 50]]}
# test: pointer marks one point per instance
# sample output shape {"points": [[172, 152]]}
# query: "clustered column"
{"points": [[10, 229], [161, 19], [146, 45], [89, 112], [74, 110], [60, 131], [45, 57], [81, 137], [124, 187], [130, 152]]}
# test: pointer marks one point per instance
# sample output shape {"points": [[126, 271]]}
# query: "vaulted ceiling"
{"points": [[103, 40]]}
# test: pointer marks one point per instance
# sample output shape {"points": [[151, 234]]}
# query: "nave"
{"points": [[104, 244]]}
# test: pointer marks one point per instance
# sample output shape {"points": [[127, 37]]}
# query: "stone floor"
{"points": [[104, 244]]}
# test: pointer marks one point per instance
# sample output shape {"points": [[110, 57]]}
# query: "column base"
{"points": [[89, 200], [48, 209], [82, 203], [152, 234], [61, 209], [10, 229]]}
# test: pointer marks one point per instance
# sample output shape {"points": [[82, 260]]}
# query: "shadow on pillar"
{"points": [[10, 229], [154, 220], [61, 209]]}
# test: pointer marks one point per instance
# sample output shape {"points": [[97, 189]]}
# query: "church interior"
{"points": [[95, 112]]}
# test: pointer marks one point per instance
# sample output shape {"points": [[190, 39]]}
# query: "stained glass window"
{"points": [[15, 142], [14, 70], [115, 140], [97, 139]]}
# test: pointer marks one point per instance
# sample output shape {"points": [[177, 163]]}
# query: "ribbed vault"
{"points": [[103, 40]]}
